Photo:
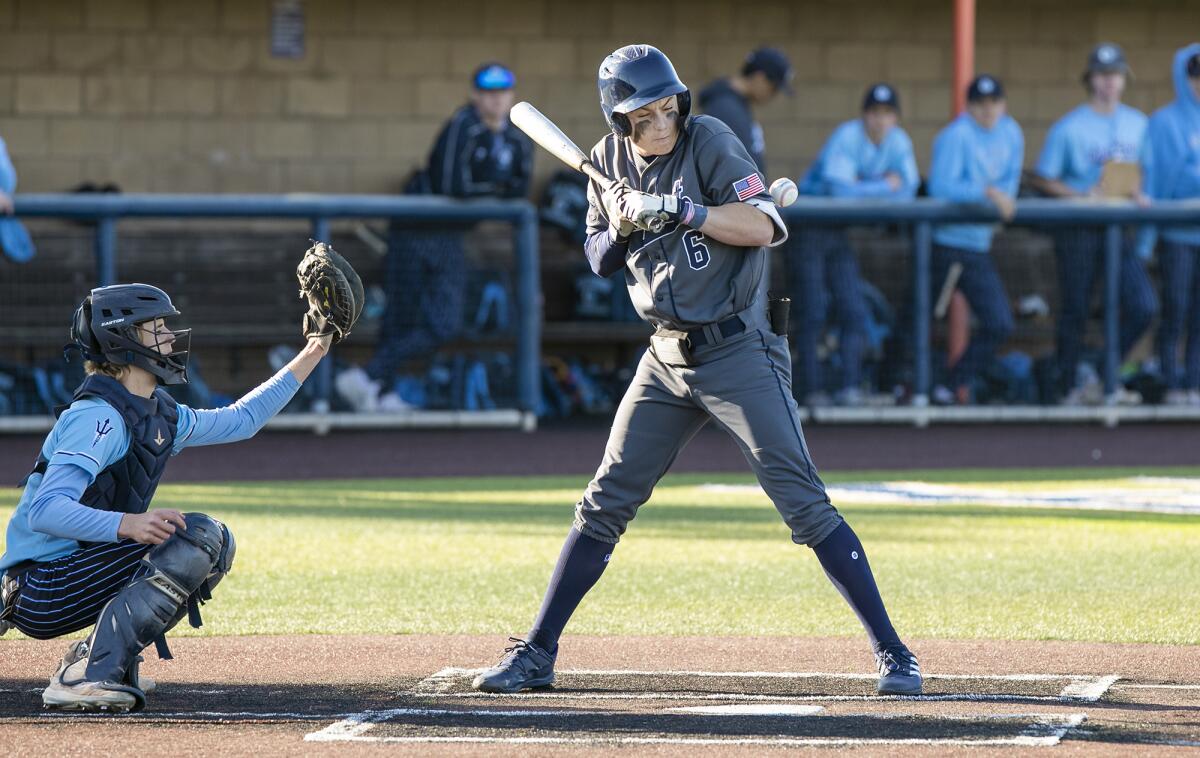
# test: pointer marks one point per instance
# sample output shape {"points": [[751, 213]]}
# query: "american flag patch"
{"points": [[749, 187]]}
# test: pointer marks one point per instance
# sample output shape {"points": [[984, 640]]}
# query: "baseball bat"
{"points": [[547, 134], [943, 301]]}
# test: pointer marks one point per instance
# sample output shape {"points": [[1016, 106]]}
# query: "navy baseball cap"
{"points": [[1105, 58], [774, 65], [881, 94], [493, 76], [985, 86]]}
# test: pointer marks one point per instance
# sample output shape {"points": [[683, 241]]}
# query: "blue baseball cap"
{"points": [[881, 94], [493, 76], [983, 87]]}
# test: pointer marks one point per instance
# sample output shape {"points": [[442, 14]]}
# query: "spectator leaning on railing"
{"points": [[977, 158], [478, 153], [867, 157], [14, 239], [1094, 151], [1173, 173]]}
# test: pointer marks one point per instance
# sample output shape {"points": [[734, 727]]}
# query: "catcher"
{"points": [[85, 547]]}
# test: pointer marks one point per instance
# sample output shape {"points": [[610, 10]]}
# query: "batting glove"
{"points": [[650, 212], [619, 227]]}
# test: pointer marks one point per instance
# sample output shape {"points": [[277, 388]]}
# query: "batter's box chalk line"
{"points": [[1044, 730], [1079, 688]]}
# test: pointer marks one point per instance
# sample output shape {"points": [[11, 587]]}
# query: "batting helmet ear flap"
{"points": [[620, 125], [684, 102]]}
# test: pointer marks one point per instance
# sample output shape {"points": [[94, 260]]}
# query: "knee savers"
{"points": [[176, 576]]}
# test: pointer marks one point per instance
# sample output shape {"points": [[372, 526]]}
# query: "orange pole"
{"points": [[958, 317], [964, 53]]}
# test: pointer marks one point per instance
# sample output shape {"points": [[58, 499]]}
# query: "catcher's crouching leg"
{"points": [[100, 673]]}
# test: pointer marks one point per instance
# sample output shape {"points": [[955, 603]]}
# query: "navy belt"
{"points": [[733, 325]]}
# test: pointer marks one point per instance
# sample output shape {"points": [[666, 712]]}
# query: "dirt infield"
{"points": [[576, 448], [662, 696]]}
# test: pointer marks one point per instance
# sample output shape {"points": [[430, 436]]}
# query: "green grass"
{"points": [[473, 555]]}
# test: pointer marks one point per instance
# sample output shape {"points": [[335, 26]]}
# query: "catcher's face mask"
{"points": [[166, 354]]}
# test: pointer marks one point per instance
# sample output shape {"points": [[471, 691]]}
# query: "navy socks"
{"points": [[580, 565], [845, 563]]}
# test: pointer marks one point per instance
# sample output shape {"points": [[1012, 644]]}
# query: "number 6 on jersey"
{"points": [[697, 251]]}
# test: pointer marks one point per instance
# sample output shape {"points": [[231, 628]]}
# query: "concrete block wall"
{"points": [[183, 95]]}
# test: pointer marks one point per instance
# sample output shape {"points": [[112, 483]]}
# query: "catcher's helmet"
{"points": [[105, 329], [635, 76]]}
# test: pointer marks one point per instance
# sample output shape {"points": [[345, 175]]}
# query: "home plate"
{"points": [[752, 709]]}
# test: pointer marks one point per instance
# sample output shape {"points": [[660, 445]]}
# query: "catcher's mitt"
{"points": [[333, 290]]}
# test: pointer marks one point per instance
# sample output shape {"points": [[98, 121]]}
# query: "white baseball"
{"points": [[784, 191]]}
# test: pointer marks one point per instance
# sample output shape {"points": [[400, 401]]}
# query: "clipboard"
{"points": [[1120, 180]]}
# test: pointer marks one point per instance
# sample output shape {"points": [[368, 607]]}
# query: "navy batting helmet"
{"points": [[634, 76], [105, 329]]}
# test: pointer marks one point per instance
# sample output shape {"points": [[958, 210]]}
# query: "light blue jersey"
{"points": [[1081, 142], [90, 436], [967, 159], [851, 165], [1173, 168]]}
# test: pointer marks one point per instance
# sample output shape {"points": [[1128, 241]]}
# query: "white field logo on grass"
{"points": [[1147, 494]]}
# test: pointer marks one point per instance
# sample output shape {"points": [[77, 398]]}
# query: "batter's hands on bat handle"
{"points": [[649, 212], [611, 197], [152, 527]]}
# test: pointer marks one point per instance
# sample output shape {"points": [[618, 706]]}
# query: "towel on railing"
{"points": [[14, 239]]}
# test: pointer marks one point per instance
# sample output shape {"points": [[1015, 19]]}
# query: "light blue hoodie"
{"points": [[14, 239], [851, 165], [1173, 168], [967, 159]]}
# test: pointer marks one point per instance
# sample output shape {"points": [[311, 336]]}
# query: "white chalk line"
{"points": [[1083, 688], [1130, 686], [966, 697], [355, 727], [1046, 731], [1088, 691], [461, 672]]}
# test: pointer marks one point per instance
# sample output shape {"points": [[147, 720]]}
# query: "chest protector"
{"points": [[128, 485]]}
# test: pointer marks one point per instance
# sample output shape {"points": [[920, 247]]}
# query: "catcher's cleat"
{"points": [[523, 667], [69, 691], [899, 673]]}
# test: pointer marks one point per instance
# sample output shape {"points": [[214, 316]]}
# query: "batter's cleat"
{"points": [[899, 673], [523, 667], [69, 691]]}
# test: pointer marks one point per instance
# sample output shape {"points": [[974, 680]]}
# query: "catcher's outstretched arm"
{"points": [[308, 358]]}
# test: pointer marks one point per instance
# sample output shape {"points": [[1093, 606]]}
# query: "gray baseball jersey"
{"points": [[679, 278]]}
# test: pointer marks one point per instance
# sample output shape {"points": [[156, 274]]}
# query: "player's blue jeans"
{"points": [[823, 272], [980, 284], [1181, 309], [1080, 256], [425, 281]]}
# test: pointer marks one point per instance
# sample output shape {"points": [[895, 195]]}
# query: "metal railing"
{"points": [[107, 210], [919, 216], [922, 214]]}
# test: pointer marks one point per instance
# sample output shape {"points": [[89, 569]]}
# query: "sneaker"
{"points": [[523, 667], [818, 399], [850, 397], [69, 691], [392, 403], [943, 395], [358, 389], [899, 673], [1177, 398]]}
